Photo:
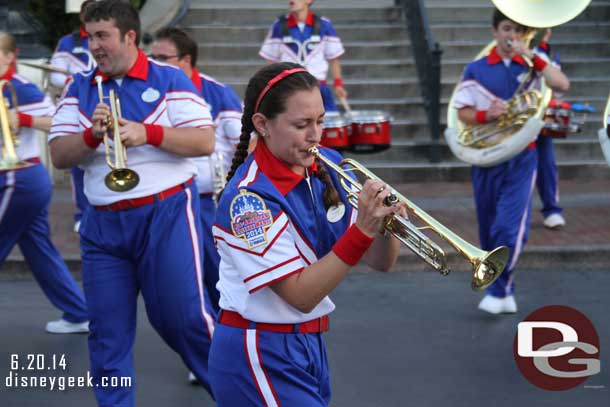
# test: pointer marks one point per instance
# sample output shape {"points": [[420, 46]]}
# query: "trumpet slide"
{"points": [[487, 266]]}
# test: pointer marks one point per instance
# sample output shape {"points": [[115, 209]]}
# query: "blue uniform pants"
{"points": [[328, 98], [503, 196], [78, 193], [211, 259], [155, 249], [547, 177], [24, 200], [252, 368]]}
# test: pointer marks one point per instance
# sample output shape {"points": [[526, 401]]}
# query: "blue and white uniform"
{"points": [[72, 55], [548, 177], [270, 224], [307, 47], [226, 112], [25, 195], [503, 193], [147, 239]]}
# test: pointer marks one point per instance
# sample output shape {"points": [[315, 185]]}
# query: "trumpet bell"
{"points": [[489, 268], [121, 180]]}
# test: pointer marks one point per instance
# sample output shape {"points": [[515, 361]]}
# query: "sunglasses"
{"points": [[162, 57]]}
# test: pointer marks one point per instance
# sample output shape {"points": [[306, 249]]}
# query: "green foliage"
{"points": [[52, 16]]}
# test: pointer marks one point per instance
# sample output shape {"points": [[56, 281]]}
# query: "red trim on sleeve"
{"points": [[481, 116], [352, 245], [338, 82]]}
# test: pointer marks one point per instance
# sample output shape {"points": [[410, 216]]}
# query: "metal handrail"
{"points": [[427, 54]]}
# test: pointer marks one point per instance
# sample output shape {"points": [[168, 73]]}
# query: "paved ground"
{"points": [[584, 242], [396, 340]]}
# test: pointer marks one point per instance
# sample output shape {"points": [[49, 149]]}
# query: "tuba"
{"points": [[495, 142], [8, 158], [120, 178], [487, 266], [604, 133]]}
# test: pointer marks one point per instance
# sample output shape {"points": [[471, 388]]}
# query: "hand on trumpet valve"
{"points": [[101, 120], [133, 134], [373, 208]]}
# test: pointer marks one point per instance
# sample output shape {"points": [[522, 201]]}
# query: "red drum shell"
{"points": [[370, 131], [556, 122], [336, 131]]}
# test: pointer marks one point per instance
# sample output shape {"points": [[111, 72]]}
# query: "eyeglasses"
{"points": [[162, 57]]}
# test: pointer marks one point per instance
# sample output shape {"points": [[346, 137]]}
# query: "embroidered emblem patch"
{"points": [[150, 95], [250, 219]]}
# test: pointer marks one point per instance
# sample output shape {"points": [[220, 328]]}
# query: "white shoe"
{"points": [[77, 226], [510, 305], [61, 326], [493, 305], [554, 221], [193, 379]]}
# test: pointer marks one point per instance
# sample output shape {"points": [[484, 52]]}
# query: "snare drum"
{"points": [[336, 131], [557, 119], [370, 130]]}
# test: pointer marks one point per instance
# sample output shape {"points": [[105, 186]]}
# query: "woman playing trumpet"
{"points": [[25, 194], [287, 236]]}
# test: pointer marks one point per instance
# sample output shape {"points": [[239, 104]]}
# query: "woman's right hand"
{"points": [[371, 209]]}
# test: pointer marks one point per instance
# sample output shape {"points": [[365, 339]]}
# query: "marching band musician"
{"points": [[72, 55], [307, 39], [287, 236], [147, 239], [175, 47], [503, 192], [25, 195], [547, 170]]}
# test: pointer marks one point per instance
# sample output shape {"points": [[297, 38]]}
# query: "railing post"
{"points": [[427, 55]]}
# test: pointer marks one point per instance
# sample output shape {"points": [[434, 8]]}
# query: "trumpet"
{"points": [[120, 178], [8, 159], [487, 266]]}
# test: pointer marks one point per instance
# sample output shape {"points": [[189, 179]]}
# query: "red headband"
{"points": [[272, 83]]}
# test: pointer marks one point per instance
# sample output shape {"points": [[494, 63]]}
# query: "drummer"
{"points": [[311, 41]]}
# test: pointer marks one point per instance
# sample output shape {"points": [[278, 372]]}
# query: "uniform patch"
{"points": [[335, 213], [250, 218], [150, 95]]}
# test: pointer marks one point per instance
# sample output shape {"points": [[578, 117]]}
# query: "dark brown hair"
{"points": [[125, 16], [272, 104], [184, 44]]}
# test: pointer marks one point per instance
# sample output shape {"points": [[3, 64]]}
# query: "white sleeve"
{"points": [[261, 266], [470, 93], [271, 48], [187, 109]]}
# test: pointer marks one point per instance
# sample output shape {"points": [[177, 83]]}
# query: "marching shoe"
{"points": [[491, 304], [554, 221], [510, 305], [61, 326]]}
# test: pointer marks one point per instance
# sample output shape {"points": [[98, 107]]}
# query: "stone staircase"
{"points": [[379, 70]]}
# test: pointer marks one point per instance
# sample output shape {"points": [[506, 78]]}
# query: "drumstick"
{"points": [[345, 106]]}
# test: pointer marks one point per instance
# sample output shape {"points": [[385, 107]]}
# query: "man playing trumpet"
{"points": [[147, 238], [503, 192]]}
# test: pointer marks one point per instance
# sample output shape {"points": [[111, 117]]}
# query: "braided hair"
{"points": [[272, 104]]}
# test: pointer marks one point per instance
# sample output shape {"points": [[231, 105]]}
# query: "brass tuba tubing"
{"points": [[487, 266]]}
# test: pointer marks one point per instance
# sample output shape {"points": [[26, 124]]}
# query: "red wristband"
{"points": [[338, 82], [352, 245], [90, 140], [481, 116], [154, 134], [25, 120], [539, 63]]}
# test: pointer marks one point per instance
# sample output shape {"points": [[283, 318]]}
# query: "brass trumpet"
{"points": [[120, 178], [9, 160], [487, 266]]}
